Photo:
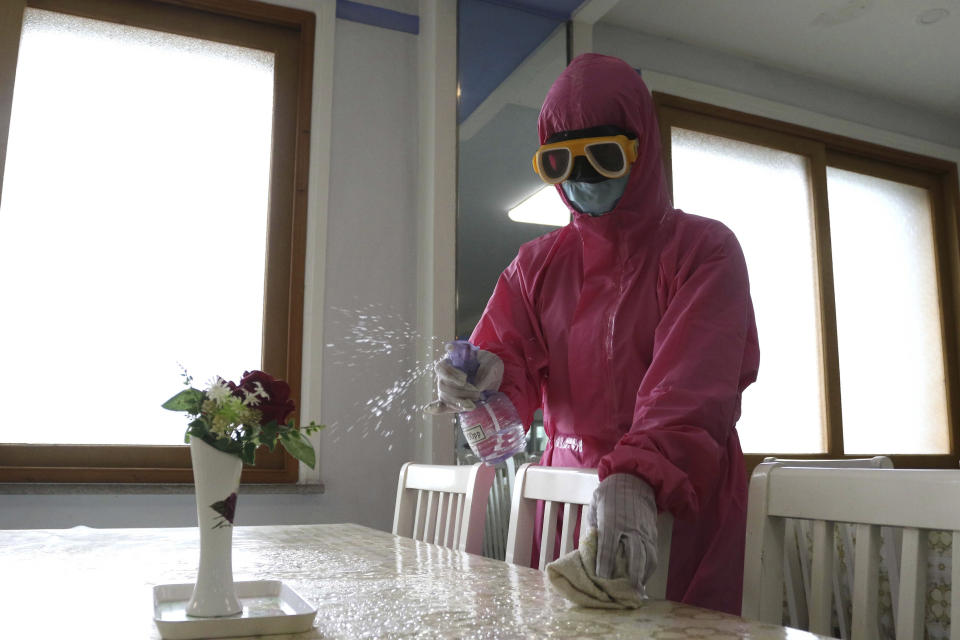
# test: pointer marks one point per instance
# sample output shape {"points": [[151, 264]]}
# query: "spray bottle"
{"points": [[493, 429]]}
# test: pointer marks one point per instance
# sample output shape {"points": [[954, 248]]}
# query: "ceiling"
{"points": [[876, 46]]}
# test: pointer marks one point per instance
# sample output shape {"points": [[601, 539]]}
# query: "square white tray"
{"points": [[269, 607]]}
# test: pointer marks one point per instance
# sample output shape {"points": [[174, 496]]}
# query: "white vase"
{"points": [[216, 476]]}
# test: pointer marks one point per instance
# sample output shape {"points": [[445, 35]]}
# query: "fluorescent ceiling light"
{"points": [[543, 207]]}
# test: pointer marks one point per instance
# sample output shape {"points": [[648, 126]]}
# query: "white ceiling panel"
{"points": [[876, 46]]}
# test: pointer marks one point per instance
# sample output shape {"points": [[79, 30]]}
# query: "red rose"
{"points": [[276, 406]]}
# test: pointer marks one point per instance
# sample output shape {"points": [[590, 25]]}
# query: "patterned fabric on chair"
{"points": [[910, 500], [798, 551]]}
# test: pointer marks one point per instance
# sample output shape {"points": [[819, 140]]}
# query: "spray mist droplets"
{"points": [[373, 341]]}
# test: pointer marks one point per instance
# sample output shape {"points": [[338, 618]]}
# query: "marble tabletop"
{"points": [[97, 583]]}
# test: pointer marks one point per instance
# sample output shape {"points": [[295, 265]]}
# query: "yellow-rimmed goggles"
{"points": [[611, 156]]}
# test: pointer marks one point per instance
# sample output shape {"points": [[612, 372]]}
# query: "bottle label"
{"points": [[475, 434]]}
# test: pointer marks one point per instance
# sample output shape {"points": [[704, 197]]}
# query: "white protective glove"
{"points": [[624, 512], [454, 393]]}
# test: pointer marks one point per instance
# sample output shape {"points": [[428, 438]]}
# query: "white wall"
{"points": [[55, 511], [370, 270], [361, 255]]}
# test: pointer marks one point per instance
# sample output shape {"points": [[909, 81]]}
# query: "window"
{"points": [[852, 254], [152, 212]]}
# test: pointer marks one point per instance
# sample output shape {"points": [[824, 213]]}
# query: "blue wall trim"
{"points": [[378, 16], [495, 36], [551, 9]]}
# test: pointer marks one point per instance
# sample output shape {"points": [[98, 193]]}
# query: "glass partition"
{"points": [[508, 59]]}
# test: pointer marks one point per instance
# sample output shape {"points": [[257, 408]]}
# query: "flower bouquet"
{"points": [[238, 418], [228, 423]]}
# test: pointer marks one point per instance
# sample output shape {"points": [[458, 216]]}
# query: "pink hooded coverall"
{"points": [[634, 331]]}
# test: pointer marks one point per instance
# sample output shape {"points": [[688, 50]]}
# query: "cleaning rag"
{"points": [[574, 576]]}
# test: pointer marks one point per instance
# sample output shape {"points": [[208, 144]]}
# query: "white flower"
{"points": [[252, 398], [218, 391]]}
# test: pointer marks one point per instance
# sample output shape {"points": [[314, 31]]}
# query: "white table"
{"points": [[97, 583]]}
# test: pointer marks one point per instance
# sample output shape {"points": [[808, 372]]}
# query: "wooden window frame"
{"points": [[289, 34], [824, 149]]}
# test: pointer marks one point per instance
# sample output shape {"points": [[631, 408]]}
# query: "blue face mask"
{"points": [[595, 198]]}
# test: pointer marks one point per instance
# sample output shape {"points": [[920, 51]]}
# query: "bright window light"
{"points": [[133, 226], [545, 207], [888, 316], [774, 226]]}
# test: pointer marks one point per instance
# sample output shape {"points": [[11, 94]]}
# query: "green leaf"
{"points": [[299, 447], [197, 428], [249, 453], [223, 444], [188, 400], [312, 427], [268, 434]]}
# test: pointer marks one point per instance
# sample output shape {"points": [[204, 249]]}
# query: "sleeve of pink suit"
{"points": [[704, 354]]}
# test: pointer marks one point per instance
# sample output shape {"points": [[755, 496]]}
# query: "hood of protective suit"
{"points": [[596, 90]]}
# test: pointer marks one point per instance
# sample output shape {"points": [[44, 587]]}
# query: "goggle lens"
{"points": [[555, 163], [606, 157]]}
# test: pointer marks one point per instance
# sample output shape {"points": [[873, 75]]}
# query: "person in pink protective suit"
{"points": [[632, 327]]}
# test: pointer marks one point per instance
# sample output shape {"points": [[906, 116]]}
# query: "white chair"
{"points": [[796, 568], [443, 504], [571, 488], [912, 499], [498, 511]]}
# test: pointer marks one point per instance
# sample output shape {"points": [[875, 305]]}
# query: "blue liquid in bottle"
{"points": [[493, 429]]}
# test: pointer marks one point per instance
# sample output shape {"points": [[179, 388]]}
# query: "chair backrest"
{"points": [[912, 499], [796, 567], [443, 504], [570, 488], [876, 462], [498, 510]]}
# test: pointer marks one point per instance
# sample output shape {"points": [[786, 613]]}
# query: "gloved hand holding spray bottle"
{"points": [[468, 380]]}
